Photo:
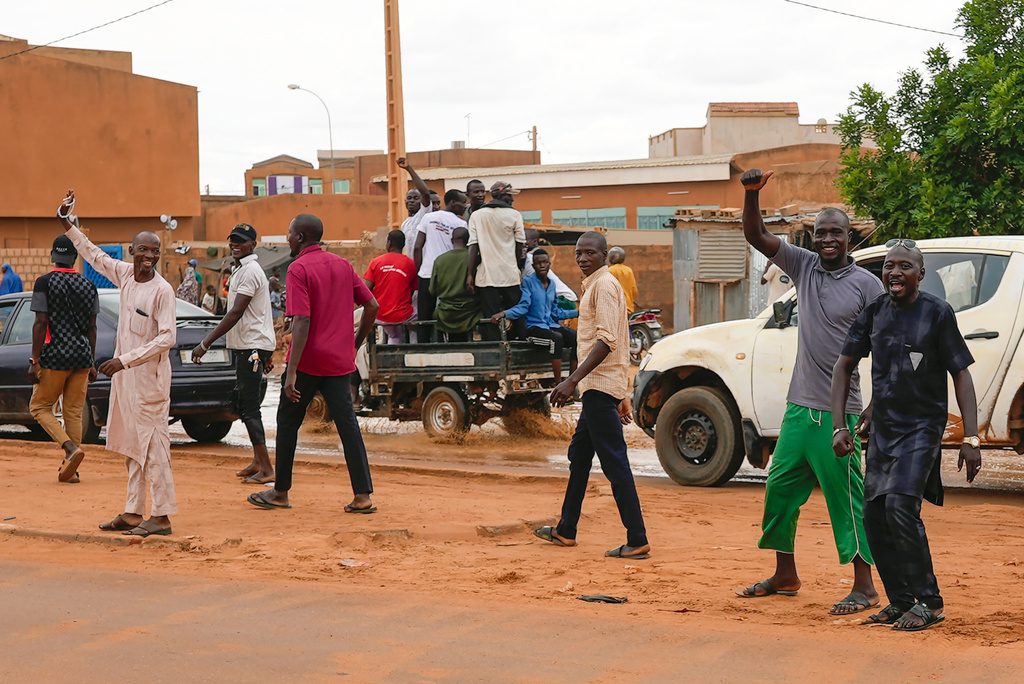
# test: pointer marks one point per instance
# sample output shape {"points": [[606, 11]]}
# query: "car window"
{"points": [[21, 327], [110, 301], [6, 309], [963, 280]]}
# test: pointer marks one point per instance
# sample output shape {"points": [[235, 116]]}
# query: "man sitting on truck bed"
{"points": [[537, 304], [831, 292]]}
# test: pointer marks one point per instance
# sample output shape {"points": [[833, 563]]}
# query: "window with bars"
{"points": [[259, 187]]}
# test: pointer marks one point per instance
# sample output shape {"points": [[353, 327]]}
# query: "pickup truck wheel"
{"points": [[697, 437], [445, 413], [639, 344], [206, 431], [518, 411]]}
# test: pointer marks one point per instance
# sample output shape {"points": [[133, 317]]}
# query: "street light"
{"points": [[330, 132]]}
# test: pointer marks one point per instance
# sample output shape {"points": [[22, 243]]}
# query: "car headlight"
{"points": [[645, 361]]}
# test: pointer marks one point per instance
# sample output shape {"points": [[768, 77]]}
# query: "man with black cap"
{"points": [[497, 254], [63, 347], [249, 326]]}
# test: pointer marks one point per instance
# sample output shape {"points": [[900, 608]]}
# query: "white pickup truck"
{"points": [[711, 395]]}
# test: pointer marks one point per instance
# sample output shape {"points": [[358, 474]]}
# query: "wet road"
{"points": [[490, 446]]}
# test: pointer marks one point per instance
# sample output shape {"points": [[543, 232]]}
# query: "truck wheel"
{"points": [[206, 431], [697, 437], [445, 413], [519, 414], [90, 430], [317, 410]]}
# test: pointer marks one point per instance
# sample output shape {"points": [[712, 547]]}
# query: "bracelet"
{"points": [[202, 345], [838, 430]]}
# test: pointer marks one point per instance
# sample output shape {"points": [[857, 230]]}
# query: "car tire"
{"points": [[205, 431], [698, 437], [512, 414], [90, 430], [445, 413], [640, 335]]}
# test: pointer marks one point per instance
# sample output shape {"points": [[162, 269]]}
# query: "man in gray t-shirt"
{"points": [[831, 292]]}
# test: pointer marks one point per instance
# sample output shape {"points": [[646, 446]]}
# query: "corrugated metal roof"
{"points": [[492, 171]]}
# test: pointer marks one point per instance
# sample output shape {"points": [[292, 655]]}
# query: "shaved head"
{"points": [[309, 226], [831, 213], [594, 236], [146, 237]]}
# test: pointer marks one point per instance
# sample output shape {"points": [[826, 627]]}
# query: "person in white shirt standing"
{"points": [[249, 326], [433, 239], [497, 255]]}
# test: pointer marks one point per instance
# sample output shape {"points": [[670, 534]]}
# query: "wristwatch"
{"points": [[974, 441]]}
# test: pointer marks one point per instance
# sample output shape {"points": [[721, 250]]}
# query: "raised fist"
{"points": [[755, 179], [402, 163]]}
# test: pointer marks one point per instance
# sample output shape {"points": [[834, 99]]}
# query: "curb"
{"points": [[118, 540], [514, 527]]}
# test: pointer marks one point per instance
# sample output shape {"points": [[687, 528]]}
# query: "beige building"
{"points": [[738, 127]]}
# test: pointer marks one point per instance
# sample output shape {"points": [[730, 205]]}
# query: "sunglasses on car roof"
{"points": [[901, 242]]}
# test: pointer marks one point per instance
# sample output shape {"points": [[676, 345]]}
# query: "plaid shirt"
{"points": [[603, 317]]}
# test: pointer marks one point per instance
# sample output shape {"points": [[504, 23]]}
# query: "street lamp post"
{"points": [[330, 130]]}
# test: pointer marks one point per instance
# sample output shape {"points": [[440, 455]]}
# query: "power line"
{"points": [[75, 35], [514, 135], [878, 21]]}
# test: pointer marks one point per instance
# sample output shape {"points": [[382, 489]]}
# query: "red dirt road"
{"points": [[243, 590]]}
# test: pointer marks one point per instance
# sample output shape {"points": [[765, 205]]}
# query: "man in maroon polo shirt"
{"points": [[323, 291]]}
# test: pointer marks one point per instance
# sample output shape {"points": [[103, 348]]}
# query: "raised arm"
{"points": [[754, 229], [418, 182], [110, 268]]}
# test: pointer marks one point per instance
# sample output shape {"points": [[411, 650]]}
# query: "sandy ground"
{"points": [[424, 552]]}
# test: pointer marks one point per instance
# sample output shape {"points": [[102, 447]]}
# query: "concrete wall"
{"points": [[345, 217], [27, 263], [128, 144], [39, 232], [368, 166]]}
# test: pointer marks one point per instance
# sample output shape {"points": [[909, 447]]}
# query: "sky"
{"points": [[596, 77]]}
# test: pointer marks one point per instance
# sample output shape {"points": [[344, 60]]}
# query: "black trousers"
{"points": [[600, 431], [900, 546], [336, 390], [247, 387], [425, 305], [559, 338], [495, 300]]}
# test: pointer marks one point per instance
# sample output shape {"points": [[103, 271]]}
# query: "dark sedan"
{"points": [[202, 396]]}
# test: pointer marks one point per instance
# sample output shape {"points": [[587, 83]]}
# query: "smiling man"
{"points": [[831, 291], [914, 343], [249, 326], [140, 375]]}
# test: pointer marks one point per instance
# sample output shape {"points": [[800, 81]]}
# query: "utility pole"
{"points": [[396, 114], [533, 138]]}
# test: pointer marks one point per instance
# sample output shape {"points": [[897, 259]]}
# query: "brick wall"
{"points": [[29, 263], [651, 264]]}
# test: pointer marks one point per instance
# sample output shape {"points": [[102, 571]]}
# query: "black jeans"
{"points": [[600, 430], [559, 339], [247, 386], [425, 305], [336, 390], [494, 300], [900, 546]]}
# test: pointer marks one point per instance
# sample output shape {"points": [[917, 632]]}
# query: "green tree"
{"points": [[950, 155]]}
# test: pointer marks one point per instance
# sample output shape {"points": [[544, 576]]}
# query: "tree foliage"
{"points": [[950, 155]]}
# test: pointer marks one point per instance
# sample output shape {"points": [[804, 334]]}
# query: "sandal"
{"points": [[118, 524], [764, 588], [629, 552], [69, 466], [929, 616], [548, 534], [259, 500], [349, 508], [142, 531], [886, 616], [856, 600]]}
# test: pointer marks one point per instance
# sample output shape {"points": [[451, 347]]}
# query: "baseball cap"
{"points": [[63, 252], [503, 188], [193, 263], [243, 231]]}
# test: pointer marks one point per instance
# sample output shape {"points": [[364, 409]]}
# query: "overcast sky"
{"points": [[596, 77]]}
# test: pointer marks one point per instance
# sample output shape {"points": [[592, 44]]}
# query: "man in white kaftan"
{"points": [[140, 373]]}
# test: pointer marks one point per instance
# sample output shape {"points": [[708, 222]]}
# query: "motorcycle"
{"points": [[644, 331]]}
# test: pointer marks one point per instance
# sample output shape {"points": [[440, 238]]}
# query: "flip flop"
{"points": [[69, 466], [930, 617], [602, 598], [349, 508], [141, 531], [262, 481], [629, 554], [548, 534], [118, 524], [258, 500], [768, 589], [886, 616], [856, 599]]}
